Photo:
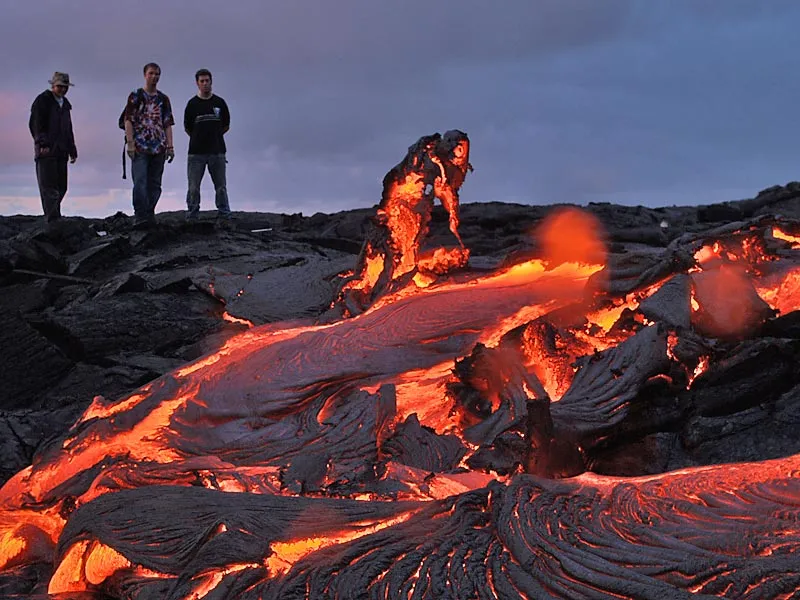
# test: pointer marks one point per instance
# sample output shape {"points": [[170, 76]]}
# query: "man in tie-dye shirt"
{"points": [[148, 131]]}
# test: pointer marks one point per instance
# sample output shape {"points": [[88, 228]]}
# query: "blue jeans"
{"points": [[195, 169], [146, 171]]}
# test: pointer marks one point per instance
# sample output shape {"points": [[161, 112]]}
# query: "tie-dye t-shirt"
{"points": [[150, 115]]}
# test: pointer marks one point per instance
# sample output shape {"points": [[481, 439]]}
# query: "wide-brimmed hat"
{"points": [[60, 79]]}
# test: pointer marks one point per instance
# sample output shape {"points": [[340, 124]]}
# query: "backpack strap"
{"points": [[138, 93], [139, 99]]}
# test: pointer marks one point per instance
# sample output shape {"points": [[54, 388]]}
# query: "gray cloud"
{"points": [[678, 101]]}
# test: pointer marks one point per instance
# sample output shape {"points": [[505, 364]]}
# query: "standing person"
{"points": [[148, 129], [206, 121], [50, 124]]}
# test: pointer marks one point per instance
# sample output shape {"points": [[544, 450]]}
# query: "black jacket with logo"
{"points": [[206, 120], [51, 127]]}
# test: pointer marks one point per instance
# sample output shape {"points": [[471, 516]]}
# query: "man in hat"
{"points": [[54, 143], [148, 129]]}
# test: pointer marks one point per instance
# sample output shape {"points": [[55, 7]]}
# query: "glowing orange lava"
{"points": [[572, 235], [234, 421], [231, 319], [782, 291], [285, 554], [780, 235], [725, 302]]}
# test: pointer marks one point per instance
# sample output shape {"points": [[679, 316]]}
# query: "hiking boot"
{"points": [[224, 224], [144, 224], [54, 227]]}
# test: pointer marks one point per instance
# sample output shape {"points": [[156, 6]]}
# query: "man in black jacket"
{"points": [[54, 143], [206, 120]]}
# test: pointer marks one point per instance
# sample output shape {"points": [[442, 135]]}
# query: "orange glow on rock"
{"points": [[607, 317], [101, 409], [88, 564], [781, 292], [564, 283], [23, 543], [702, 367], [102, 562], [423, 280], [285, 554], [549, 359], [780, 235], [69, 575], [141, 442], [434, 167], [40, 530], [421, 392], [725, 298], [746, 248], [373, 267], [572, 235], [12, 546], [705, 254], [231, 319], [443, 260], [207, 582], [441, 486]]}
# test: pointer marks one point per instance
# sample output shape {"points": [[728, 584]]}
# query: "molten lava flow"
{"points": [[142, 442], [70, 575], [12, 545], [198, 410], [231, 319], [434, 167], [383, 452], [286, 554], [780, 235], [781, 291], [88, 565], [100, 409], [208, 582], [373, 266], [421, 392], [702, 367], [441, 261]]}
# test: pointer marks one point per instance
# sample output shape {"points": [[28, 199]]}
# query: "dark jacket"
{"points": [[51, 127]]}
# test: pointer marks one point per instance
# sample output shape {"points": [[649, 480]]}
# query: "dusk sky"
{"points": [[628, 101]]}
